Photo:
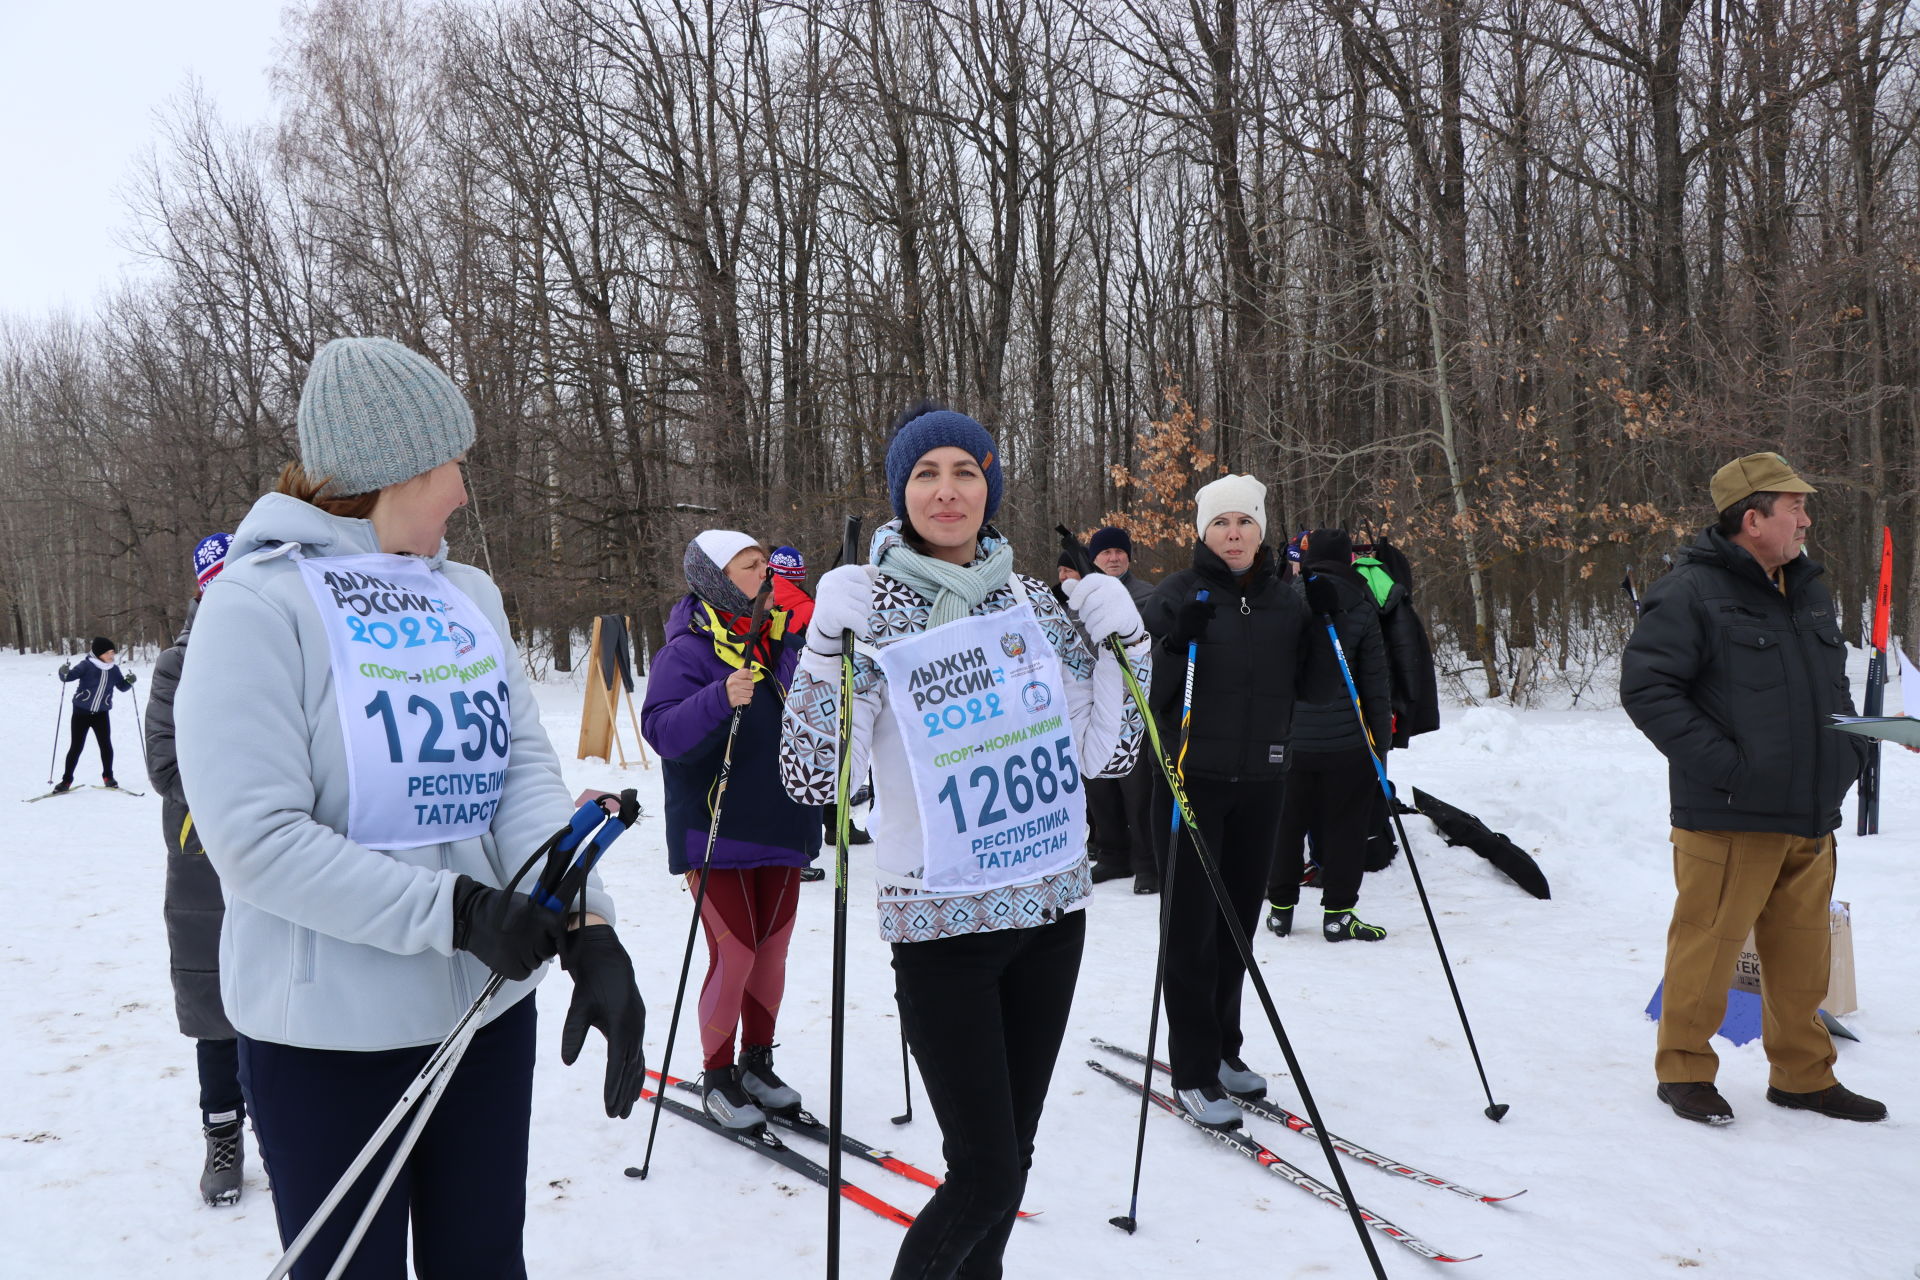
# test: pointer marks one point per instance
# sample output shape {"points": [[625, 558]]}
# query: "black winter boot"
{"points": [[1279, 920], [1698, 1101], [1835, 1100]]}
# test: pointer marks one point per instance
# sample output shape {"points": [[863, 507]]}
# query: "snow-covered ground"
{"points": [[100, 1144]]}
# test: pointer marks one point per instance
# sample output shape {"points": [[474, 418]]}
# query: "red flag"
{"points": [[1883, 599]]}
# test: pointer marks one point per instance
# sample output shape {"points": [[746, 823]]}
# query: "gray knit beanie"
{"points": [[374, 413]]}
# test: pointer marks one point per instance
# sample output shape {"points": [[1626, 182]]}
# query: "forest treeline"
{"points": [[1502, 279]]}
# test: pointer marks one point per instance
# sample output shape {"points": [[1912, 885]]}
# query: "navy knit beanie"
{"points": [[1109, 539], [927, 427], [101, 645]]}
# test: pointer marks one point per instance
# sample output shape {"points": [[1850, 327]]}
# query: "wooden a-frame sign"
{"points": [[609, 682]]}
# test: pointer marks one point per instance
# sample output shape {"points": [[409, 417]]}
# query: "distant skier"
{"points": [[194, 910], [98, 676]]}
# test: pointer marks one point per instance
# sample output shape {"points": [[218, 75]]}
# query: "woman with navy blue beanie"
{"points": [[981, 710]]}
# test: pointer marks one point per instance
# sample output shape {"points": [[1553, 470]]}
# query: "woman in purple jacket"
{"points": [[704, 671]]}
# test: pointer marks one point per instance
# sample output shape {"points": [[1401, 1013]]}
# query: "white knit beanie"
{"points": [[1231, 493]]}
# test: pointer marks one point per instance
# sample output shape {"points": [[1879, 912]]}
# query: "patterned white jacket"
{"points": [[1106, 728]]}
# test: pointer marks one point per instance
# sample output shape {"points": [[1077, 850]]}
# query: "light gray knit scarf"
{"points": [[954, 589]]}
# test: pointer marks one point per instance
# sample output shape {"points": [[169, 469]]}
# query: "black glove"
{"points": [[1323, 600], [1189, 623], [130, 677], [507, 931], [605, 996], [66, 669]]}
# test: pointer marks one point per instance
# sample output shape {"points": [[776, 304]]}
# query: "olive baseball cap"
{"points": [[1755, 473]]}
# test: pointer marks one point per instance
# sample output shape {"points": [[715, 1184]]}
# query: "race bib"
{"points": [[419, 677], [981, 704]]}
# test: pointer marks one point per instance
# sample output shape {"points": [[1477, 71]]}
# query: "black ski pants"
{"points": [[218, 1065], [1119, 817], [984, 1014], [464, 1185], [1205, 975], [1331, 796], [98, 723]]}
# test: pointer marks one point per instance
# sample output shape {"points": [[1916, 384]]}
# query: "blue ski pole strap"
{"points": [[588, 835]]}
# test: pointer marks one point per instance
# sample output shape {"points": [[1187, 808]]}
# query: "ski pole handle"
{"points": [[588, 835]]}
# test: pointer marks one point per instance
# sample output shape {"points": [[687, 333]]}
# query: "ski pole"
{"points": [[752, 642], [1495, 1111], [843, 793], [53, 758], [1130, 1221], [1241, 945], [556, 885], [906, 1071]]}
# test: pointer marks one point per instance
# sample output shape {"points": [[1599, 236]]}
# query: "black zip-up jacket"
{"points": [[1323, 719], [1735, 683], [1246, 671]]}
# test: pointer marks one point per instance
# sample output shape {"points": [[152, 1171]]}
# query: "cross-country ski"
{"points": [[1234, 1140], [1298, 1124]]}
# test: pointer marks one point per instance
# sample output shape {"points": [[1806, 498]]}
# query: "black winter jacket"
{"points": [[1734, 682], [193, 907], [1323, 719], [1416, 689], [1246, 670]]}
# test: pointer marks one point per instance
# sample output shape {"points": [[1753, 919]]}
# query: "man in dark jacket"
{"points": [[194, 911], [1733, 672], [1119, 809]]}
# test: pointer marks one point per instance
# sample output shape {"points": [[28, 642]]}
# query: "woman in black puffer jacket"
{"points": [[1332, 786], [1249, 632]]}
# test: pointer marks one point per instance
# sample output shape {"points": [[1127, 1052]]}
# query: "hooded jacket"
{"points": [[97, 685], [328, 944], [1734, 681], [685, 717], [1246, 671]]}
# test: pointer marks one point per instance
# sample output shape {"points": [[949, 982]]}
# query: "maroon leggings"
{"points": [[749, 921]]}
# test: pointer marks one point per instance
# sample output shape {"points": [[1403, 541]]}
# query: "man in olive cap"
{"points": [[1733, 672]]}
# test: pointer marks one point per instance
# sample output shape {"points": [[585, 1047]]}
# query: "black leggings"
{"points": [[102, 728], [984, 1014], [1204, 973], [1332, 796]]}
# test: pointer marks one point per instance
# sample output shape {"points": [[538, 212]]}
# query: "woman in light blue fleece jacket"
{"points": [[366, 767]]}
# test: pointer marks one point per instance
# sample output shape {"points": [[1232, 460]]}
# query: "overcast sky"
{"points": [[79, 88]]}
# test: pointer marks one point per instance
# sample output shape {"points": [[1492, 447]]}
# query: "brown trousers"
{"points": [[1778, 886]]}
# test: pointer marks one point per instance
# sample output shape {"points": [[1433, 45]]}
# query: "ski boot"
{"points": [[1341, 925], [1237, 1079], [760, 1082], [223, 1173], [812, 875], [727, 1102], [106, 780], [1209, 1105], [63, 786], [1279, 920]]}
